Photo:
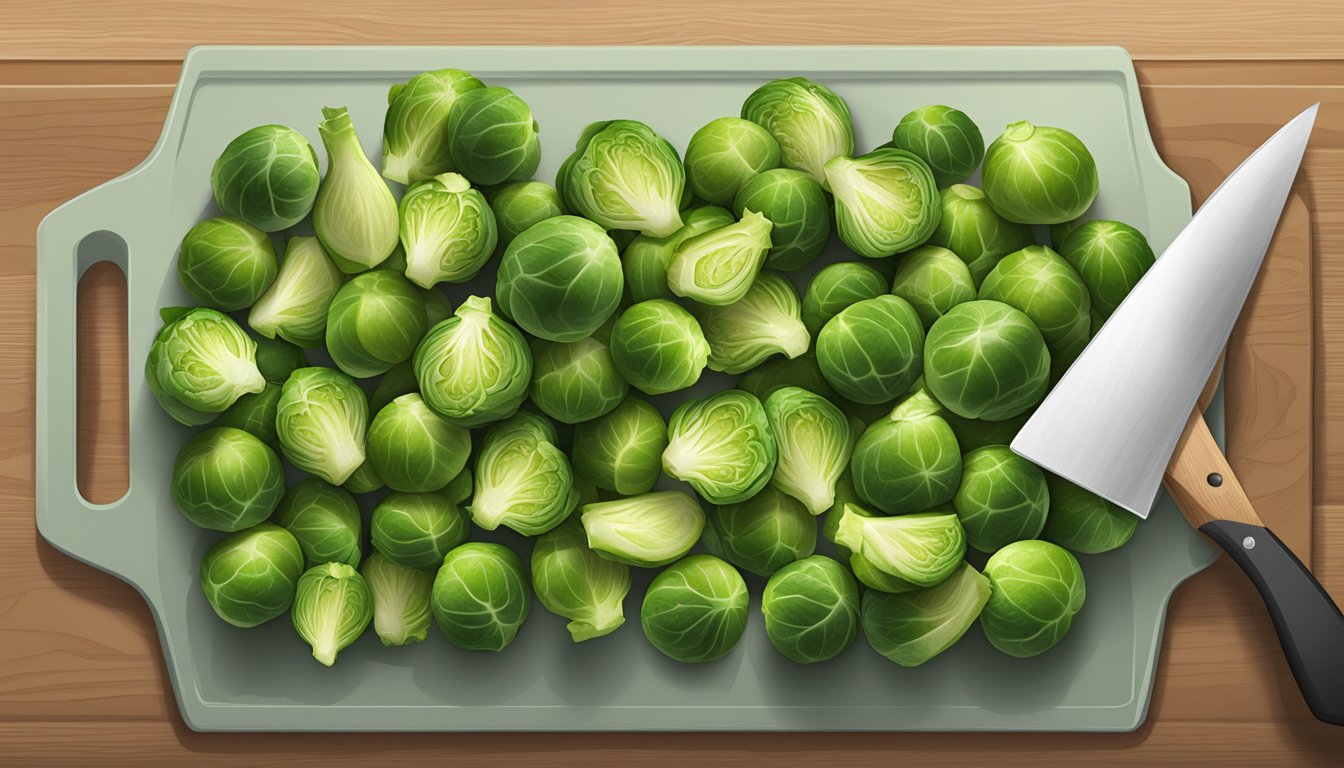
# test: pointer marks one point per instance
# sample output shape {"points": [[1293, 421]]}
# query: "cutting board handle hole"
{"points": [[102, 410]]}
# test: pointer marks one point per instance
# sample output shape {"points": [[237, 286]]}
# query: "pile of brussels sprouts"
{"points": [[877, 407]]}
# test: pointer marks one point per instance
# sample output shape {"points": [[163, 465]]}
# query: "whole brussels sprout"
{"points": [[448, 231], [1110, 257], [885, 201], [461, 487], [1060, 232], [946, 139], [645, 259], [374, 322], [979, 236], [1003, 498], [873, 350], [923, 548], [1035, 174], [1083, 521], [355, 215], [718, 267], [811, 609], [481, 597], [814, 446], [934, 280], [763, 533], [295, 307], [799, 214], [764, 322], [254, 413], [572, 581], [658, 347], [277, 358], [413, 448], [520, 205], [415, 128], [249, 577], [473, 368], [1036, 281], [1036, 588], [492, 136], [400, 599], [324, 520], [837, 286], [912, 628], [225, 479], [577, 381], [363, 479], [623, 450], [773, 375], [986, 360], [523, 482], [416, 530], [200, 364], [725, 154], [399, 380], [722, 446], [332, 607], [226, 263], [561, 279], [321, 420], [810, 122], [267, 177], [645, 531], [625, 176], [908, 463], [696, 610]]}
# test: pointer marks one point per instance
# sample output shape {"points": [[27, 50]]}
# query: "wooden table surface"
{"points": [[84, 86]]}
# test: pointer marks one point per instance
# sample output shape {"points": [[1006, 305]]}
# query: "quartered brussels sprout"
{"points": [[873, 350], [332, 607], [971, 228], [907, 463], [810, 122], [225, 479], [645, 531], [623, 450], [355, 215], [249, 577], [986, 360], [200, 364], [645, 259], [772, 375], [447, 229], [492, 136], [1003, 498], [413, 448], [696, 610], [400, 597], [885, 201], [811, 610], [922, 548], [1036, 281], [523, 481], [277, 358], [1110, 257], [722, 445], [1085, 522], [912, 628], [416, 530], [934, 280], [799, 214], [254, 413], [576, 381], [226, 263], [375, 321], [321, 419], [573, 582], [718, 267], [946, 139], [763, 533], [835, 287], [814, 446], [625, 176], [1036, 588], [324, 520], [764, 322], [415, 128], [473, 368], [295, 307], [658, 347], [1035, 174], [267, 177], [725, 154], [481, 597], [561, 279], [522, 204]]}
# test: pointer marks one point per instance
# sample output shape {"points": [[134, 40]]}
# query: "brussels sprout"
{"points": [[492, 136], [763, 533], [922, 548], [572, 581], [363, 479], [447, 229], [933, 280], [577, 381], [200, 364], [885, 201], [481, 598], [416, 530], [295, 307], [1085, 522], [845, 495], [561, 279], [374, 322], [946, 139], [1036, 588], [696, 610], [810, 122], [814, 446], [1036, 281], [725, 154], [254, 413], [772, 375], [719, 266], [645, 259], [621, 451], [267, 177], [764, 322], [658, 347], [986, 360], [970, 228], [321, 420], [473, 368], [914, 627], [415, 128], [523, 482], [1035, 174], [399, 380], [355, 215], [1060, 232], [413, 448], [332, 607], [226, 263], [400, 599], [460, 488], [811, 610], [225, 479], [873, 578], [722, 446], [249, 577], [873, 350], [645, 531], [799, 214], [277, 358], [1003, 498], [1110, 257], [520, 205], [837, 286], [626, 177], [324, 520], [907, 464], [977, 433]]}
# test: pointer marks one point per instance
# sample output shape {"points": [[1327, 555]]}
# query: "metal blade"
{"points": [[1112, 422]]}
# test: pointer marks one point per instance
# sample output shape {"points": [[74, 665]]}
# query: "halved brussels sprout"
{"points": [[986, 360], [885, 201], [400, 599], [763, 533], [572, 581], [873, 578], [623, 450], [416, 530], [873, 350], [1003, 498], [324, 520], [970, 228], [226, 263], [1085, 522], [522, 204], [1035, 174], [696, 610], [718, 267], [907, 463], [837, 286], [200, 364], [332, 607], [765, 322], [481, 597], [561, 279], [473, 368], [492, 136], [415, 128], [645, 259], [413, 448], [913, 627], [225, 479], [922, 548], [934, 280], [321, 420], [799, 214], [1036, 281], [249, 577], [523, 482], [810, 122], [658, 347], [814, 446], [645, 531], [575, 382], [1036, 588], [1110, 257], [773, 375], [254, 413], [447, 229], [625, 176], [811, 610], [267, 177], [722, 445], [725, 154], [374, 322], [946, 139], [355, 215], [295, 307]]}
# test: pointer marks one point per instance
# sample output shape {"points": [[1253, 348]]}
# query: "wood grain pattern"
{"points": [[1188, 479]]}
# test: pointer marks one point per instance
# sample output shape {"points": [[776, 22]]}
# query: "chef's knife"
{"points": [[1123, 418]]}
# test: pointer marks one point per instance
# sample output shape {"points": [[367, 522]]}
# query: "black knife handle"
{"points": [[1309, 624]]}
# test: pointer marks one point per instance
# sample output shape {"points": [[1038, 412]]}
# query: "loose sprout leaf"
{"points": [[765, 321], [295, 307]]}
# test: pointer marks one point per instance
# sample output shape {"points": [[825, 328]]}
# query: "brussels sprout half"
{"points": [[811, 610], [695, 611], [523, 482], [448, 230], [644, 261], [808, 120], [473, 368], [355, 214], [332, 607], [625, 176], [200, 364], [912, 628], [249, 577], [814, 446], [321, 420], [267, 177], [645, 531], [1039, 175], [415, 128], [400, 597], [764, 322], [722, 445], [718, 267], [885, 201], [295, 307], [922, 548]]}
